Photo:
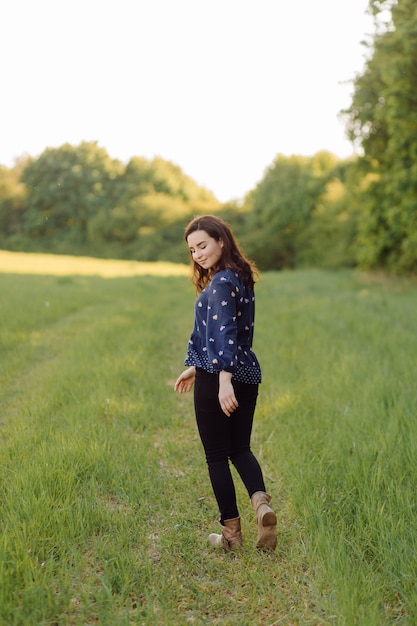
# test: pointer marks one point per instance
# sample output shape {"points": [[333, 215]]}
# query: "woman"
{"points": [[225, 373]]}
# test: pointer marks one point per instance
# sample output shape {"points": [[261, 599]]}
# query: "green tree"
{"points": [[153, 197], [281, 206], [329, 239], [12, 202], [68, 186], [383, 120]]}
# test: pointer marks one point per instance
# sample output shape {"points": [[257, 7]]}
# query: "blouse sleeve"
{"points": [[221, 325]]}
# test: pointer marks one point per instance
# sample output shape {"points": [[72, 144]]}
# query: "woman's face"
{"points": [[205, 250]]}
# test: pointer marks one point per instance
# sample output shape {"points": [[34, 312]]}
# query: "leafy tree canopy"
{"points": [[383, 119], [281, 205], [77, 198], [67, 186]]}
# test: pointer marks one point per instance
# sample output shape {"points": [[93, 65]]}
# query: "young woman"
{"points": [[225, 373]]}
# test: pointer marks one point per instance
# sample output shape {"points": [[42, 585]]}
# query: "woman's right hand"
{"points": [[185, 381]]}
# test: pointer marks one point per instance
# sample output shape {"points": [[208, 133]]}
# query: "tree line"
{"points": [[77, 200], [306, 211]]}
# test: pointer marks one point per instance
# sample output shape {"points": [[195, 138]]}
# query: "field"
{"points": [[105, 500]]}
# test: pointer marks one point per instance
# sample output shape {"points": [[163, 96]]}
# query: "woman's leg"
{"points": [[249, 468], [240, 453], [215, 430]]}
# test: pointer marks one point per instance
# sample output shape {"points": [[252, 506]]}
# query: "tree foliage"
{"points": [[12, 201], [67, 187], [329, 238], [76, 199], [383, 119], [281, 206]]}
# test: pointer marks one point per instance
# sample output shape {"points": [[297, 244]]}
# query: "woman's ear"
{"points": [[221, 243]]}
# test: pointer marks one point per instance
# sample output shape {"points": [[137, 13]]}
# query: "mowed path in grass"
{"points": [[106, 504]]}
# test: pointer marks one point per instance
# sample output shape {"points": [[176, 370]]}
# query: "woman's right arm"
{"points": [[185, 381]]}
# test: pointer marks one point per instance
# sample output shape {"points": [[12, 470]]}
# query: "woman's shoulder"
{"points": [[231, 278], [225, 276]]}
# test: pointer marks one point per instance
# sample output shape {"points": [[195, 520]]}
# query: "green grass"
{"points": [[105, 500]]}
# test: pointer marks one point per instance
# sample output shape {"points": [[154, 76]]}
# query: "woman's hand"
{"points": [[227, 396], [185, 381]]}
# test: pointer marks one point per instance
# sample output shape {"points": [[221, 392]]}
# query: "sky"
{"points": [[218, 87]]}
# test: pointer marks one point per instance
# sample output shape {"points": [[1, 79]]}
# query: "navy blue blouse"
{"points": [[223, 329]]}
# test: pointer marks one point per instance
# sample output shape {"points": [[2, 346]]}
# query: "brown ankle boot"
{"points": [[231, 537], [267, 521]]}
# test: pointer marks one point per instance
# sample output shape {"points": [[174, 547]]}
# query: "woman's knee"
{"points": [[217, 456], [240, 454]]}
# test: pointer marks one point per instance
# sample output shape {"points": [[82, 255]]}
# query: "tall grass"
{"points": [[342, 396], [106, 505]]}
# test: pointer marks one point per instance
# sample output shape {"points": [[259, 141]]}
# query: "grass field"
{"points": [[105, 500]]}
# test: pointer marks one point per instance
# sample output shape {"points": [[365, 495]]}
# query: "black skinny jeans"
{"points": [[227, 438]]}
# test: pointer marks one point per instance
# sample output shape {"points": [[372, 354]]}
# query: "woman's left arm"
{"points": [[227, 397], [221, 324], [222, 337]]}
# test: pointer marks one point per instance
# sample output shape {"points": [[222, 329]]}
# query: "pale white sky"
{"points": [[219, 87]]}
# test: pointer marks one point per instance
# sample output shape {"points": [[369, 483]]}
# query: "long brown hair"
{"points": [[232, 257]]}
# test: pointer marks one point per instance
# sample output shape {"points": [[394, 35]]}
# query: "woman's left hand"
{"points": [[227, 397]]}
